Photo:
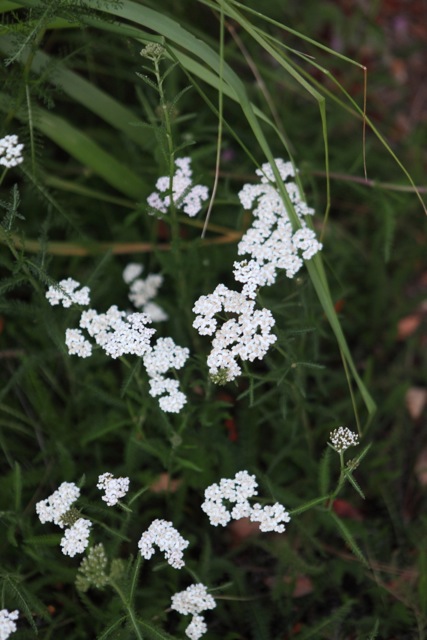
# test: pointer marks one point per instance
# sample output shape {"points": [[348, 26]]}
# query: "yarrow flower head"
{"points": [[57, 509], [7, 623], [10, 151], [142, 291], [166, 355], [132, 271], [197, 628], [185, 196], [77, 343], [247, 336], [237, 492], [162, 534], [194, 600], [118, 333], [115, 488], [66, 293], [56, 506], [271, 241], [271, 518], [76, 538], [342, 438]]}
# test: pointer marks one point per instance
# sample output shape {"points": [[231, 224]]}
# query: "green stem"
{"points": [[183, 299], [341, 481], [129, 611], [3, 175]]}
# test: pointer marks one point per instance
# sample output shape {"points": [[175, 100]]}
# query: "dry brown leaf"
{"points": [[415, 400], [242, 529], [164, 483], [407, 326], [302, 584]]}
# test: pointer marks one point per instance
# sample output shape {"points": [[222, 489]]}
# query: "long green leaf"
{"points": [[87, 94], [83, 149]]}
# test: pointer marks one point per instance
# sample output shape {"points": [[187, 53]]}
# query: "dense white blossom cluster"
{"points": [[197, 628], [119, 333], [76, 538], [68, 293], [185, 196], [142, 291], [342, 438], [247, 335], [237, 492], [7, 623], [162, 534], [192, 601], [162, 357], [270, 517], [55, 506], [272, 244], [115, 488], [10, 151], [271, 241]]}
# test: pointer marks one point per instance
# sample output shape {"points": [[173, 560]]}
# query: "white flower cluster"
{"points": [[247, 336], [119, 333], [185, 196], [55, 508], [115, 488], [194, 600], [237, 492], [7, 623], [271, 241], [76, 537], [162, 534], [66, 292], [10, 152], [163, 356], [342, 438], [272, 244], [270, 517], [142, 291]]}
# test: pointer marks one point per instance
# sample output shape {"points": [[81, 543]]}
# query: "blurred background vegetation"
{"points": [[77, 93]]}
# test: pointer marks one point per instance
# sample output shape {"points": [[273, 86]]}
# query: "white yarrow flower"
{"points": [[10, 151], [247, 336], [162, 357], [271, 241], [7, 623], [142, 290], [76, 538], [55, 506], [66, 293], [185, 196], [77, 343], [132, 271], [271, 518], [118, 333], [342, 438], [194, 600], [197, 628], [236, 491], [162, 534], [115, 488]]}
